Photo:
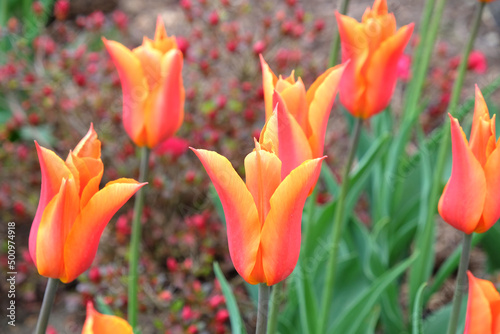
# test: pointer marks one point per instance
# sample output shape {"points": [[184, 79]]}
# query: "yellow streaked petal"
{"points": [[242, 219], [280, 240]]}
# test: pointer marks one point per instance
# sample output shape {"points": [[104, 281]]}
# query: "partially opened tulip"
{"points": [[373, 47], [263, 215], [304, 114], [483, 307], [73, 212], [97, 323], [153, 92], [470, 199]]}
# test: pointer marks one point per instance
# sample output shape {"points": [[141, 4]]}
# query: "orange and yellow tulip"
{"points": [[97, 323], [483, 307], [73, 212], [304, 133], [470, 199], [373, 47], [153, 92], [263, 215]]}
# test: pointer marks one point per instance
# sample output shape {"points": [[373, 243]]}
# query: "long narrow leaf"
{"points": [[417, 310], [232, 306]]}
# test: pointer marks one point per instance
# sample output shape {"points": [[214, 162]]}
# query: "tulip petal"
{"points": [[297, 149], [296, 104], [479, 316], [268, 138], [83, 239], [280, 240], [54, 228], [491, 212], [461, 204], [166, 112], [89, 146], [97, 323], [320, 98], [242, 219], [135, 90], [53, 170], [269, 79], [354, 48], [482, 136], [263, 176], [382, 71], [85, 168], [150, 59]]}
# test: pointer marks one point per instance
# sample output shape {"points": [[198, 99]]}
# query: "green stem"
{"points": [[461, 285], [133, 280], [425, 259], [337, 230], [334, 53], [262, 310], [48, 301], [272, 322], [462, 68]]}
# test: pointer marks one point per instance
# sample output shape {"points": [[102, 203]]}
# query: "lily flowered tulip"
{"points": [[97, 323], [373, 47], [470, 199], [304, 115], [73, 212], [263, 215], [483, 307], [153, 92]]}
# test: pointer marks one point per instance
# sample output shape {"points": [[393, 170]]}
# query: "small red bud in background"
{"points": [[61, 9]]}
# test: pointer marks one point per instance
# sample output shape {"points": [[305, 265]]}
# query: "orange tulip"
{"points": [[263, 216], [97, 323], [153, 93], [483, 307], [304, 133], [73, 212], [470, 199], [374, 48]]}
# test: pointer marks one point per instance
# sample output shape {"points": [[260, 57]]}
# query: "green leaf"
{"points": [[349, 321], [217, 203], [417, 310], [308, 308], [232, 307]]}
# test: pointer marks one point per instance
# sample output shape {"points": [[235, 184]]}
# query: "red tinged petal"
{"points": [[382, 71], [166, 112], [269, 79], [83, 239], [355, 49], [491, 212], [97, 323], [150, 59], [134, 87], [482, 307], [53, 170], [280, 238], [482, 137], [242, 219], [55, 225], [320, 98], [297, 149], [461, 204]]}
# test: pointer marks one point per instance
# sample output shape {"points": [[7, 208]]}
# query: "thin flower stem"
{"points": [[461, 285], [272, 322], [334, 53], [337, 231], [135, 242], [48, 301], [262, 309]]}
